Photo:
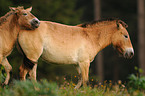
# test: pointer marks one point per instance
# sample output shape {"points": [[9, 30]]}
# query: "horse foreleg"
{"points": [[80, 81], [83, 70], [84, 67], [8, 69]]}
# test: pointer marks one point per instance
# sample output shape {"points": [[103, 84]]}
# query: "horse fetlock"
{"points": [[79, 84]]}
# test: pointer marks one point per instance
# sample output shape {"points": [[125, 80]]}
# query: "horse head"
{"points": [[25, 19], [121, 40]]}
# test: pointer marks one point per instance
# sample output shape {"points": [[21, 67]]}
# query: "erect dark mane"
{"points": [[4, 18], [122, 23], [103, 20]]}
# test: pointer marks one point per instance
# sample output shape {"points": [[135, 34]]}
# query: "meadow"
{"points": [[134, 87]]}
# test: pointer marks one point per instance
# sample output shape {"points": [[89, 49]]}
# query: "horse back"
{"points": [[57, 43]]}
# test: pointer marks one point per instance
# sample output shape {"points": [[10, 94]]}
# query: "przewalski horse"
{"points": [[78, 45], [10, 25]]}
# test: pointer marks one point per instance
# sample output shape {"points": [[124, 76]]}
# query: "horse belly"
{"points": [[60, 57]]}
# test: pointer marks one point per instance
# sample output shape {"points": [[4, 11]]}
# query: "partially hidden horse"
{"points": [[78, 45], [10, 25]]}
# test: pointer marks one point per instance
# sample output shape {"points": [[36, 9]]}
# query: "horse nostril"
{"points": [[36, 21], [131, 53]]}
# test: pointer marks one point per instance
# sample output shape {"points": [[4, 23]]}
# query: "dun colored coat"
{"points": [[10, 25], [78, 45]]}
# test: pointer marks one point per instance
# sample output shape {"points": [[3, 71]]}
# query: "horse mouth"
{"points": [[35, 25], [127, 53], [119, 51]]}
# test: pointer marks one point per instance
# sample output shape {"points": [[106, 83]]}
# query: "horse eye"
{"points": [[24, 14], [125, 36]]}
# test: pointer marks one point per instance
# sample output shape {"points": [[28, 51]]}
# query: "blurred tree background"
{"points": [[73, 12]]}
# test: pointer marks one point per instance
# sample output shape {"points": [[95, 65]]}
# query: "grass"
{"points": [[134, 87], [28, 88], [45, 88]]}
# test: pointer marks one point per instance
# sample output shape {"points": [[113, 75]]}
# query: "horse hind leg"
{"points": [[26, 67], [32, 73], [23, 72], [8, 69]]}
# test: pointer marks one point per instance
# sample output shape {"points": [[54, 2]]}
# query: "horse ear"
{"points": [[29, 9], [12, 8], [119, 26]]}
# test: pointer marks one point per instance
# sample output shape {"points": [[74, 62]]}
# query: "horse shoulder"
{"points": [[31, 43]]}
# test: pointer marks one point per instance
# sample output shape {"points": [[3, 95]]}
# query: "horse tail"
{"points": [[26, 61]]}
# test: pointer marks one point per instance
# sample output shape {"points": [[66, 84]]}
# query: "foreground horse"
{"points": [[10, 25], [62, 44]]}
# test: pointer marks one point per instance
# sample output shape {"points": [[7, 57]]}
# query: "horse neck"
{"points": [[10, 27], [101, 36]]}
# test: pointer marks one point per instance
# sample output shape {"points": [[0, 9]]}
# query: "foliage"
{"points": [[28, 88], [43, 88], [4, 4], [99, 89], [63, 11], [136, 82], [2, 75]]}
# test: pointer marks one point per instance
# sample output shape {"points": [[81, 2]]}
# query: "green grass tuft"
{"points": [[29, 88]]}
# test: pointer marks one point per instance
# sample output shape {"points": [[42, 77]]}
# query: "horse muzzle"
{"points": [[129, 53], [35, 23]]}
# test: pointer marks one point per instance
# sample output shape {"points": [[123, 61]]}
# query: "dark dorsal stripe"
{"points": [[85, 25]]}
